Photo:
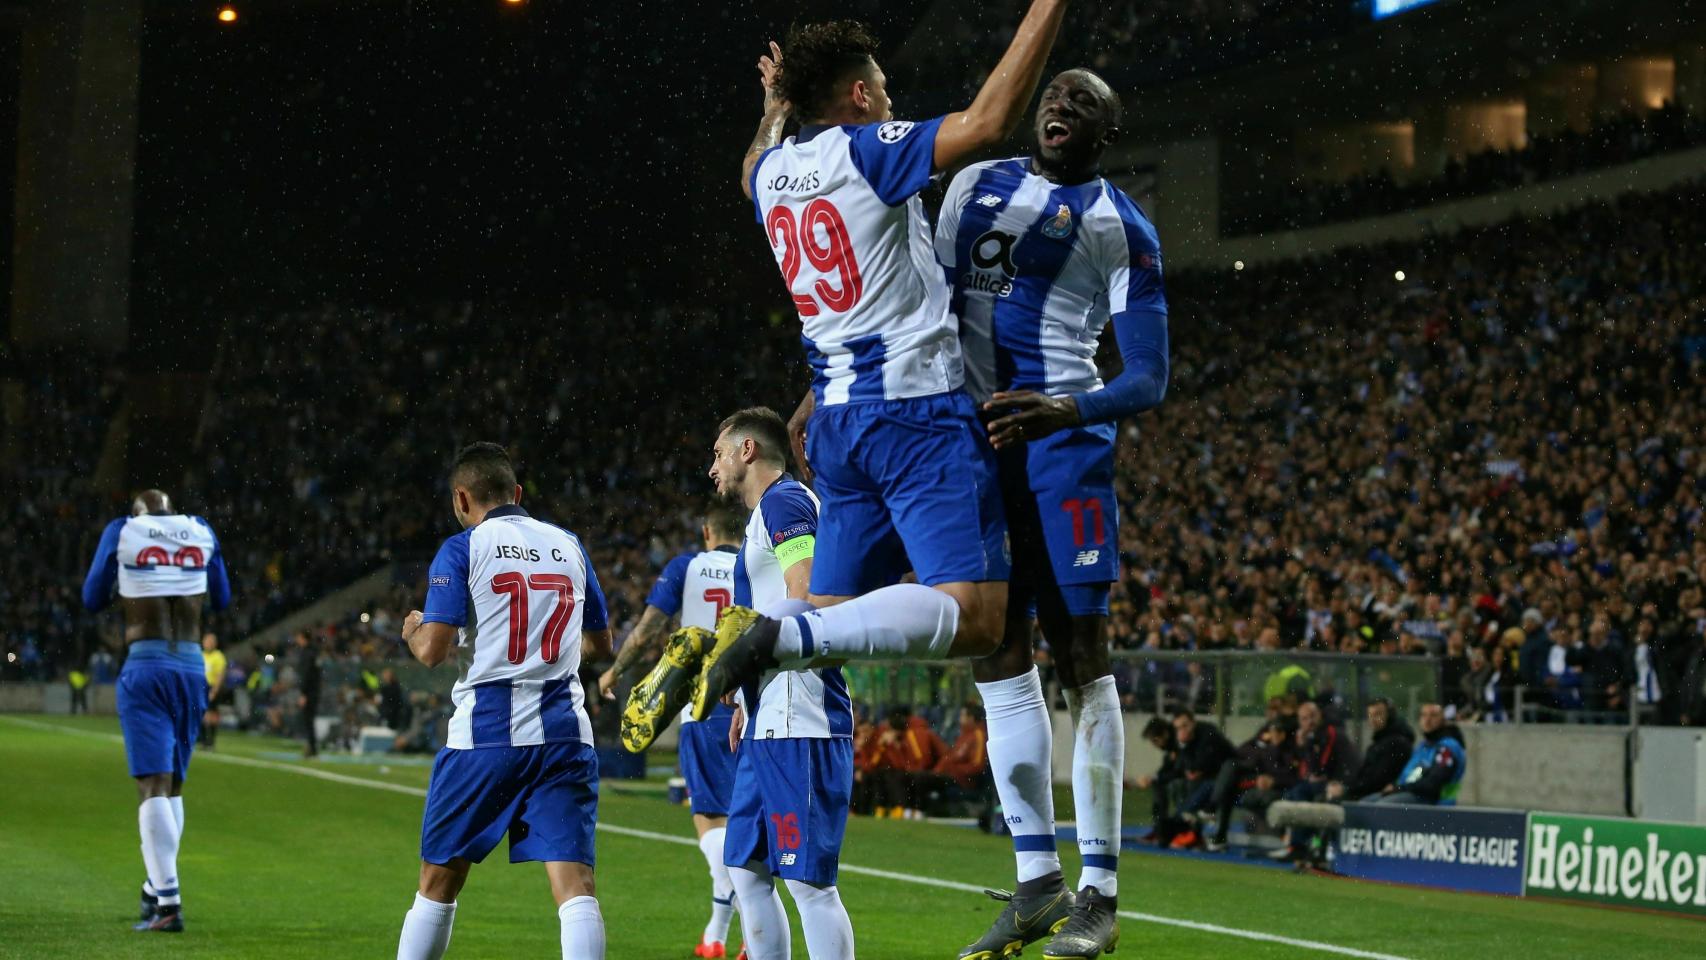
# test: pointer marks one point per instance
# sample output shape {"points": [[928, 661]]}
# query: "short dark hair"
{"points": [[975, 709], [725, 522], [485, 469], [763, 425], [818, 57], [1183, 712], [1157, 727]]}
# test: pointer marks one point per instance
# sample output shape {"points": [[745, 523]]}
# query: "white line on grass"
{"points": [[688, 841]]}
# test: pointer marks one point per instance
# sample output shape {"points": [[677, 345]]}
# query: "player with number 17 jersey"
{"points": [[520, 591]]}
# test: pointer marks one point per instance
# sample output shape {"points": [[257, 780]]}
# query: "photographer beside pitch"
{"points": [[163, 565]]}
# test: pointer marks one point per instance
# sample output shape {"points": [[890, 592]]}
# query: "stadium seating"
{"points": [[1514, 425]]}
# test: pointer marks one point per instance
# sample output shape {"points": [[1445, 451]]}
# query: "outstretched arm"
{"points": [[775, 118], [1001, 103]]}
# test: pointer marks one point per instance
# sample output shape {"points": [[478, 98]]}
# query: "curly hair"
{"points": [[817, 58]]}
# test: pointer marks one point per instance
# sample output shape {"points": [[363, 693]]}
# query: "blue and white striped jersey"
{"points": [[840, 207], [1037, 269], [809, 704], [157, 555], [529, 590], [699, 587]]}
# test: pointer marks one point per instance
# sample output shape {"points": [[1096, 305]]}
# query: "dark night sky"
{"points": [[457, 149]]}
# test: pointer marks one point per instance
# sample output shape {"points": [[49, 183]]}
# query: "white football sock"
{"points": [[160, 848], [1098, 774], [824, 920], [763, 922], [1021, 748], [907, 621], [722, 888], [178, 815], [426, 930], [583, 929], [786, 608]]}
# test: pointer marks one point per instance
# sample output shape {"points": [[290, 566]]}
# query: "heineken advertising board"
{"points": [[1628, 863]]}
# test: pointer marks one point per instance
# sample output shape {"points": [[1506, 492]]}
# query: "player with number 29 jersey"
{"points": [[904, 475], [841, 207]]}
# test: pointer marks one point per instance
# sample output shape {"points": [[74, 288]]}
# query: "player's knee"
{"points": [[1013, 658], [570, 880], [442, 883], [154, 785], [983, 617]]}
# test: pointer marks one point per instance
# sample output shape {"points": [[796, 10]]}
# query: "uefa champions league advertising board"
{"points": [[1603, 860], [1448, 847]]}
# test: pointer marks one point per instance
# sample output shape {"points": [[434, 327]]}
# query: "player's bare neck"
{"points": [[759, 478]]}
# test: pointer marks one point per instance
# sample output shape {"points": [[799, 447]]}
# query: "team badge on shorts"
{"points": [[894, 130], [1059, 225]]}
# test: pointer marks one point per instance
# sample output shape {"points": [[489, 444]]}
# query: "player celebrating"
{"points": [[1041, 251], [163, 564], [794, 776], [904, 472], [521, 597], [697, 587]]}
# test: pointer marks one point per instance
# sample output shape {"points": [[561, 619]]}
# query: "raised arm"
{"points": [[1001, 103], [775, 118]]}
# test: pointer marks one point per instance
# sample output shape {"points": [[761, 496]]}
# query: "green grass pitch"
{"points": [[279, 865]]}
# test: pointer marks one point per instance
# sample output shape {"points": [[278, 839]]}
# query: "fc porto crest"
{"points": [[1059, 226]]}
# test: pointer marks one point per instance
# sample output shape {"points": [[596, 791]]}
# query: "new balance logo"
{"points": [[1087, 558], [989, 200], [787, 859]]}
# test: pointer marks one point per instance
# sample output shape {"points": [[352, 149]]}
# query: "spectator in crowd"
{"points": [[1563, 676], [1605, 672], [1455, 667], [393, 703], [1389, 749], [1167, 784], [909, 747], [966, 765], [1436, 766], [1267, 770], [868, 764], [1209, 763]]}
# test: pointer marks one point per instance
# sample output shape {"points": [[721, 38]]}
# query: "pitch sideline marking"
{"points": [[685, 841]]}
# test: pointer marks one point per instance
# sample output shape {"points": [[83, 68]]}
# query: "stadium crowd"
{"points": [[1495, 462], [1620, 139]]}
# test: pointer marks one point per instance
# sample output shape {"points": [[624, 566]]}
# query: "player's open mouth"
{"points": [[1056, 133]]}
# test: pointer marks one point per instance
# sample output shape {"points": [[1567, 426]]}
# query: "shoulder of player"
{"points": [[1119, 211], [787, 493]]}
